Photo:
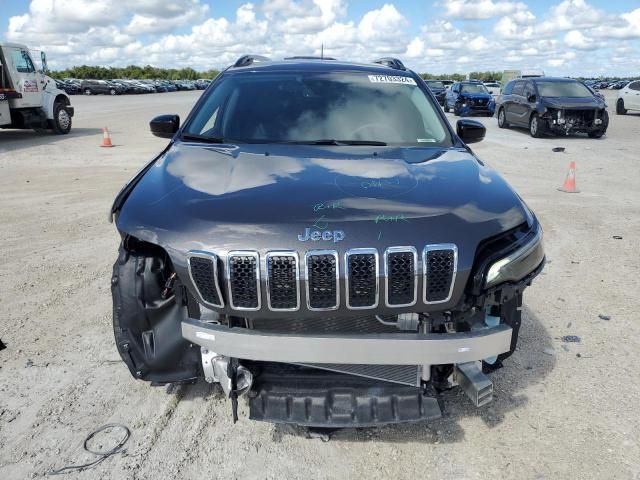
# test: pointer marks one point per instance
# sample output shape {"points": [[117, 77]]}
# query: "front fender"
{"points": [[49, 98]]}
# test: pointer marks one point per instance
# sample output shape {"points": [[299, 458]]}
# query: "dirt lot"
{"points": [[562, 410]]}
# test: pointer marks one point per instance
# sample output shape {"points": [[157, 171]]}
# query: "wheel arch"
{"points": [[50, 99]]}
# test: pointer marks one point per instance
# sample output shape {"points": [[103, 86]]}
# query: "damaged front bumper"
{"points": [[286, 392], [375, 349], [567, 121]]}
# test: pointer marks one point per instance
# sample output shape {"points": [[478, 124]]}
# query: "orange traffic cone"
{"points": [[570, 182], [106, 139]]}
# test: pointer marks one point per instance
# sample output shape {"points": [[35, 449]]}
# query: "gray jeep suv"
{"points": [[316, 236]]}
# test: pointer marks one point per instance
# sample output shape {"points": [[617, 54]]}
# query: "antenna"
{"points": [[322, 51]]}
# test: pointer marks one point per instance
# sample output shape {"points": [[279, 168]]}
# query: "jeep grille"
{"points": [[320, 272]]}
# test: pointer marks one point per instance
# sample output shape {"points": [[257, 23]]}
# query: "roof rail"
{"points": [[391, 63], [246, 60], [306, 57]]}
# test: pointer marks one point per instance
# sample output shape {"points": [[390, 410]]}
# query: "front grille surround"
{"points": [[349, 281], [248, 254], [309, 278], [388, 253], [271, 284], [213, 258], [451, 249]]}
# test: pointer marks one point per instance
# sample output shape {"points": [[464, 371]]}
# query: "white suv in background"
{"points": [[628, 98], [493, 88]]}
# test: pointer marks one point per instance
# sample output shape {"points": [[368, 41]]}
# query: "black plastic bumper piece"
{"points": [[335, 400]]}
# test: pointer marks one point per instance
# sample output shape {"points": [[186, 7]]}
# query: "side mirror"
{"points": [[531, 97], [165, 126], [470, 131]]}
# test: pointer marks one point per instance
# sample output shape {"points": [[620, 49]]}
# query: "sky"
{"points": [[568, 37]]}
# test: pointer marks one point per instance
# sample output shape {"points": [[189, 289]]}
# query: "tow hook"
{"points": [[234, 378], [475, 384]]}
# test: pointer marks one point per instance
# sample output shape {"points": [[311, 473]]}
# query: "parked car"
{"points": [[628, 98], [169, 86], [438, 89], [493, 88], [69, 88], [552, 105], [96, 87], [308, 287], [468, 98], [447, 83], [185, 85]]}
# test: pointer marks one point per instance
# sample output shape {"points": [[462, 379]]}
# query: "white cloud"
{"points": [[571, 36], [576, 39], [480, 9]]}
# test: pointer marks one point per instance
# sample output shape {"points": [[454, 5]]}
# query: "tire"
{"points": [[456, 109], [113, 91], [502, 118], [445, 107], [620, 110], [61, 119], [87, 91], [601, 131], [536, 127]]}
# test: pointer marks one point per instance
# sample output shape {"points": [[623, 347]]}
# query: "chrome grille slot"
{"points": [[401, 264], [203, 270], [361, 278], [243, 278], [439, 270], [321, 268], [282, 281]]}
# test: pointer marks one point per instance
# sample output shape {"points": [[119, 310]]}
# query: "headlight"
{"points": [[518, 264]]}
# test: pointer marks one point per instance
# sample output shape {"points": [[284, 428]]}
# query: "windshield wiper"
{"points": [[202, 138], [331, 141]]}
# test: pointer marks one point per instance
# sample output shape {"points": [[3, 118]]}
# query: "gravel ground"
{"points": [[561, 410]]}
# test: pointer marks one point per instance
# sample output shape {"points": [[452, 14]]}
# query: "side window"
{"points": [[634, 85], [22, 61], [508, 88], [456, 88], [518, 88], [529, 90]]}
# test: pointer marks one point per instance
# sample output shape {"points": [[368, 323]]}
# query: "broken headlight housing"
{"points": [[518, 264]]}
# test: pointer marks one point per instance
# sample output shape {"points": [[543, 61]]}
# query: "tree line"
{"points": [[133, 71], [152, 73]]}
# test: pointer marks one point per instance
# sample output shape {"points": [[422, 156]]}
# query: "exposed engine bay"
{"points": [[567, 121]]}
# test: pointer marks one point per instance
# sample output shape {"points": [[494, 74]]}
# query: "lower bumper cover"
{"points": [[321, 400], [380, 349]]}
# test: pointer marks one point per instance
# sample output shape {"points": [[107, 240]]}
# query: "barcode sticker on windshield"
{"points": [[392, 79]]}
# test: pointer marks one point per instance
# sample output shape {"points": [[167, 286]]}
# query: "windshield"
{"points": [[313, 107], [563, 89], [435, 84], [473, 88]]}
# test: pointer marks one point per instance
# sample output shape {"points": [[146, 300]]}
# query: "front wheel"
{"points": [[61, 119], [536, 127], [620, 110], [445, 107], [87, 91], [456, 109], [113, 91], [502, 119]]}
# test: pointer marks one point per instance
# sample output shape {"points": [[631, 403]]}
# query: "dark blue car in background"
{"points": [[469, 98]]}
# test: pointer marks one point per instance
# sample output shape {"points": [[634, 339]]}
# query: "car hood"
{"points": [[572, 102], [227, 197], [476, 96]]}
